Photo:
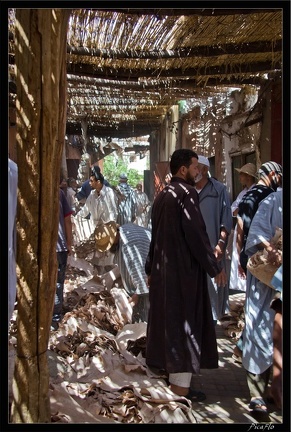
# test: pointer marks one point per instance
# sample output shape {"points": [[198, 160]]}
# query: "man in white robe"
{"points": [[142, 207]]}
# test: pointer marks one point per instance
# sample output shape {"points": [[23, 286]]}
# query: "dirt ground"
{"points": [[97, 366]]}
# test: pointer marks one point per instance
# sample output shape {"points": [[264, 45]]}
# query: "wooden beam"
{"points": [[137, 148], [101, 155], [164, 98], [121, 73], [155, 85], [87, 78], [123, 130], [199, 51], [188, 12], [121, 104], [162, 84]]}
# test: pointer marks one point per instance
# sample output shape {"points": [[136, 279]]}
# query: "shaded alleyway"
{"points": [[227, 391]]}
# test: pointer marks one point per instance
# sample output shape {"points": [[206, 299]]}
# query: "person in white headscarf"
{"points": [[269, 179]]}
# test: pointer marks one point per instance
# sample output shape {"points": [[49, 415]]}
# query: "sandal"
{"points": [[258, 405], [196, 396]]}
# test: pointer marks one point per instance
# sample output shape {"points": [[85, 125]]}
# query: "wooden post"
{"points": [[40, 42]]}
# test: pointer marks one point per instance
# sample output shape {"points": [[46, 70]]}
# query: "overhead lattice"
{"points": [[126, 67]]}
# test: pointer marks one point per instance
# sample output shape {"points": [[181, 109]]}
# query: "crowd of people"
{"points": [[171, 257]]}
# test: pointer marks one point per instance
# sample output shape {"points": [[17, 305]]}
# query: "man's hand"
{"points": [[221, 279], [219, 252], [133, 299], [274, 255], [241, 272]]}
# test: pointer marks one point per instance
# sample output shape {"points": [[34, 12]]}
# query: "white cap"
{"points": [[203, 160]]}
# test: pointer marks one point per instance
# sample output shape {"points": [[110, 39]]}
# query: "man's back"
{"points": [[250, 202], [84, 191], [179, 257], [133, 249], [126, 206], [246, 211]]}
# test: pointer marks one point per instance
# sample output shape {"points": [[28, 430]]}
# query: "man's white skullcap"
{"points": [[203, 160]]}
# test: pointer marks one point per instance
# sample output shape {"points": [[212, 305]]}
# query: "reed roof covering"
{"points": [[126, 67]]}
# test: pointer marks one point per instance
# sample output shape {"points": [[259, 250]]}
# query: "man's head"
{"points": [[122, 178], [106, 235], [249, 169], [184, 164], [63, 183], [247, 174], [203, 166], [72, 182], [271, 174], [96, 178], [139, 187]]}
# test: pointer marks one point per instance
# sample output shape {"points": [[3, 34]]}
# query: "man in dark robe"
{"points": [[181, 335]]}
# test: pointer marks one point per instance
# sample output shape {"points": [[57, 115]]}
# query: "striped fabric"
{"points": [[131, 256]]}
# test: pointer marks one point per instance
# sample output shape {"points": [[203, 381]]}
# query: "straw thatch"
{"points": [[126, 67]]}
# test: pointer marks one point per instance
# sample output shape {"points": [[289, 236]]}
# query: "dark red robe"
{"points": [[180, 333]]}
